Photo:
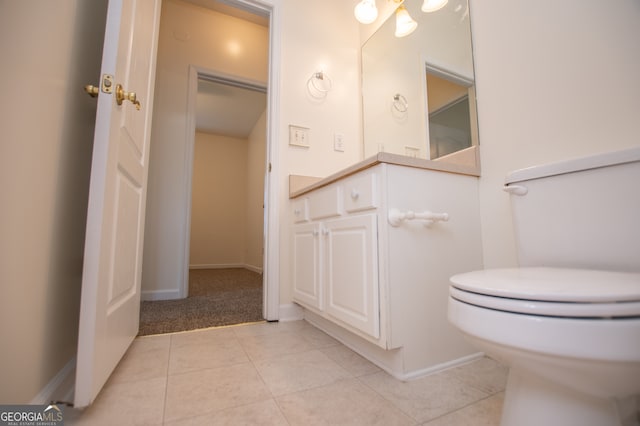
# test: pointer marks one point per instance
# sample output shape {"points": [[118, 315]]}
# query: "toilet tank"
{"points": [[581, 213]]}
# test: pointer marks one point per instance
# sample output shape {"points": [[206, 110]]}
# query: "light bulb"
{"points": [[405, 25], [433, 5], [366, 11]]}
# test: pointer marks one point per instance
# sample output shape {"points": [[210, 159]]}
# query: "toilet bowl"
{"points": [[567, 321], [573, 349]]}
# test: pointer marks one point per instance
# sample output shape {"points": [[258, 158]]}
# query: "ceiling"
{"points": [[228, 110], [256, 16]]}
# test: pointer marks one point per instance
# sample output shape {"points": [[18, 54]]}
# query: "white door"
{"points": [[110, 303], [351, 272]]}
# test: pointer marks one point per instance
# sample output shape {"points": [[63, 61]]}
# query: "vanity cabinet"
{"points": [[335, 254], [371, 257]]}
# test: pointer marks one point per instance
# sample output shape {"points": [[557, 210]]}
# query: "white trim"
{"points": [[391, 360], [253, 268], [232, 80], [290, 312], [444, 71], [148, 295], [417, 374], [271, 261], [190, 136], [217, 266], [60, 388], [172, 294]]}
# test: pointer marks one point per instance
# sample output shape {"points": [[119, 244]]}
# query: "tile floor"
{"points": [[287, 373]]}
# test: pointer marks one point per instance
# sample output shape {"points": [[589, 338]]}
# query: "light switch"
{"points": [[298, 136], [338, 142], [412, 151]]}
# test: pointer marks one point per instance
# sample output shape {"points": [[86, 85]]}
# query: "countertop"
{"points": [[299, 185]]}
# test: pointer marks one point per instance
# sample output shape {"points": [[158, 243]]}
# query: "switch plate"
{"points": [[298, 136], [338, 142], [411, 151]]}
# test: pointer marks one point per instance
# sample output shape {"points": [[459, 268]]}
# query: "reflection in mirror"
{"points": [[431, 70], [449, 112]]}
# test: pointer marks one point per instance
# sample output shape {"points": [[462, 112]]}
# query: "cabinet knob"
{"points": [[355, 194], [325, 231], [296, 212]]}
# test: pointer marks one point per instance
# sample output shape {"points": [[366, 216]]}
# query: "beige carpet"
{"points": [[216, 297]]}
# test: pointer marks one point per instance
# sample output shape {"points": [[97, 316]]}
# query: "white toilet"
{"points": [[567, 322]]}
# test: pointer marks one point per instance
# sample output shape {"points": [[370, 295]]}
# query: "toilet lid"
{"points": [[551, 291]]}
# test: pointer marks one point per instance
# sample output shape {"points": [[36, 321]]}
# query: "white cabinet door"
{"points": [[307, 288], [351, 272]]}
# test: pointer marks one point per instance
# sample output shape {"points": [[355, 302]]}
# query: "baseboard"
{"points": [[253, 268], [417, 374], [216, 265], [151, 295], [60, 388], [160, 294], [290, 312], [389, 360]]}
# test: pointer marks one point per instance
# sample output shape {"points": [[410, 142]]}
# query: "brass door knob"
{"points": [[92, 90], [122, 95]]}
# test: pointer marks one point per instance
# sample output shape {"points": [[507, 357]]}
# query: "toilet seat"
{"points": [[558, 292]]}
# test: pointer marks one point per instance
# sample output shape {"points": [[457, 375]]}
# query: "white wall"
{"points": [[555, 80], [316, 35], [50, 50], [227, 197], [320, 35], [218, 201]]}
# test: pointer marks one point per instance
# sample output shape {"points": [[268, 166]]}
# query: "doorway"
{"points": [[260, 251], [227, 200], [227, 185]]}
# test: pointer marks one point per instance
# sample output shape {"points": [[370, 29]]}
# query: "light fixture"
{"points": [[405, 25], [366, 11], [433, 5]]}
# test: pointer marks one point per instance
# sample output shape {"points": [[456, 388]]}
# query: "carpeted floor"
{"points": [[216, 297]]}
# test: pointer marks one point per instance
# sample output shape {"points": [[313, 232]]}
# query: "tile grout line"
{"points": [[273, 397], [463, 407], [393, 404], [166, 381], [235, 337]]}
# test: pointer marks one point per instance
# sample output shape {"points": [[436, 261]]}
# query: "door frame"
{"points": [[271, 230]]}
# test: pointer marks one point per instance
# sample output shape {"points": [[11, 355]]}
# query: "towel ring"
{"points": [[320, 82], [400, 103]]}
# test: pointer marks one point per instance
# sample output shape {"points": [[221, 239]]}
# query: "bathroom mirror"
{"points": [[418, 90]]}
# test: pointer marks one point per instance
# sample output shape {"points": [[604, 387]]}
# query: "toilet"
{"points": [[567, 320]]}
